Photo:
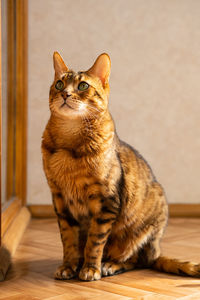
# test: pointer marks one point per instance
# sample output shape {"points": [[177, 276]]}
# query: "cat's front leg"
{"points": [[99, 231], [69, 230]]}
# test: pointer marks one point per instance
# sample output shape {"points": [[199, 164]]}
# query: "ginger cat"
{"points": [[110, 208]]}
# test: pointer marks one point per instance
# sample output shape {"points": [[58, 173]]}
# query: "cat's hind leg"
{"points": [[149, 253], [110, 268], [145, 258]]}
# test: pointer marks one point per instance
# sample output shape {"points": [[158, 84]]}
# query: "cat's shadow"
{"points": [[44, 270]]}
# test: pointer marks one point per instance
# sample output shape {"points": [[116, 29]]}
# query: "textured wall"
{"points": [[155, 80]]}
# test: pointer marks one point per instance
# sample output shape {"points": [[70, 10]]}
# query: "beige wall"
{"points": [[155, 82]]}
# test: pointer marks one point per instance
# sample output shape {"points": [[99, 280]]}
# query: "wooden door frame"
{"points": [[14, 215], [17, 98], [0, 126], [17, 110]]}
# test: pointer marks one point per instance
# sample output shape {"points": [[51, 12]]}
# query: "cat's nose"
{"points": [[65, 95]]}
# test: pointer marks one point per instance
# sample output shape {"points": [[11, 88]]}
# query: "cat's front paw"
{"points": [[65, 272], [90, 273]]}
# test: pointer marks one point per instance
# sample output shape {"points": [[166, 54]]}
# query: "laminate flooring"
{"points": [[40, 252]]}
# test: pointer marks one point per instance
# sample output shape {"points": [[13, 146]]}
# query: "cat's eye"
{"points": [[83, 86], [59, 85]]}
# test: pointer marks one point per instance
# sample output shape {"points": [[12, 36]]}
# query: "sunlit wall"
{"points": [[155, 80]]}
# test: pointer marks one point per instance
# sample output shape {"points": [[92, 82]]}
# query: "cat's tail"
{"points": [[176, 266]]}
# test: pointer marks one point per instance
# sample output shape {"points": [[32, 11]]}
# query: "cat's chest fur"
{"points": [[73, 177]]}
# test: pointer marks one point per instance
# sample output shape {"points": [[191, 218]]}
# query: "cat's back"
{"points": [[133, 163]]}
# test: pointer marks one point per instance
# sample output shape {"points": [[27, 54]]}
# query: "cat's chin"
{"points": [[69, 113], [66, 108]]}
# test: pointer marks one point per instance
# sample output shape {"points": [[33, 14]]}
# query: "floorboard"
{"points": [[40, 252]]}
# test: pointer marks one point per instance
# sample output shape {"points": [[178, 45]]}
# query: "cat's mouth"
{"points": [[66, 104], [72, 104]]}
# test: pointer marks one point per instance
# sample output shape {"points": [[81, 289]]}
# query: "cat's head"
{"points": [[82, 94]]}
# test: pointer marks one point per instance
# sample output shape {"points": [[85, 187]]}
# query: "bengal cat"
{"points": [[111, 210]]}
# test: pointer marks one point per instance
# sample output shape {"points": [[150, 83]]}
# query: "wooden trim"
{"points": [[14, 233], [21, 98], [14, 217], [10, 172], [10, 210], [42, 211], [12, 238], [175, 210], [0, 127], [17, 99], [5, 260], [184, 210]]}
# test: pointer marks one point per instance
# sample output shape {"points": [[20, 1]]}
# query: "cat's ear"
{"points": [[101, 68], [59, 64]]}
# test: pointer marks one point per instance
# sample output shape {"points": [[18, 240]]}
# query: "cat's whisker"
{"points": [[89, 112], [87, 104], [94, 108]]}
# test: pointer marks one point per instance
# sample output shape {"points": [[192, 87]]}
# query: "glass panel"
{"points": [[4, 96], [8, 115]]}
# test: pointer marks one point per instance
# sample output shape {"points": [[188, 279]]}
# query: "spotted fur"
{"points": [[110, 208]]}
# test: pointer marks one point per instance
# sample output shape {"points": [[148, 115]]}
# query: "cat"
{"points": [[111, 210]]}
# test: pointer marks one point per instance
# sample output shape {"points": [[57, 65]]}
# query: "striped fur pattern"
{"points": [[110, 208]]}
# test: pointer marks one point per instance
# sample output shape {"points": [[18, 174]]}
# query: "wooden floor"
{"points": [[31, 276]]}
